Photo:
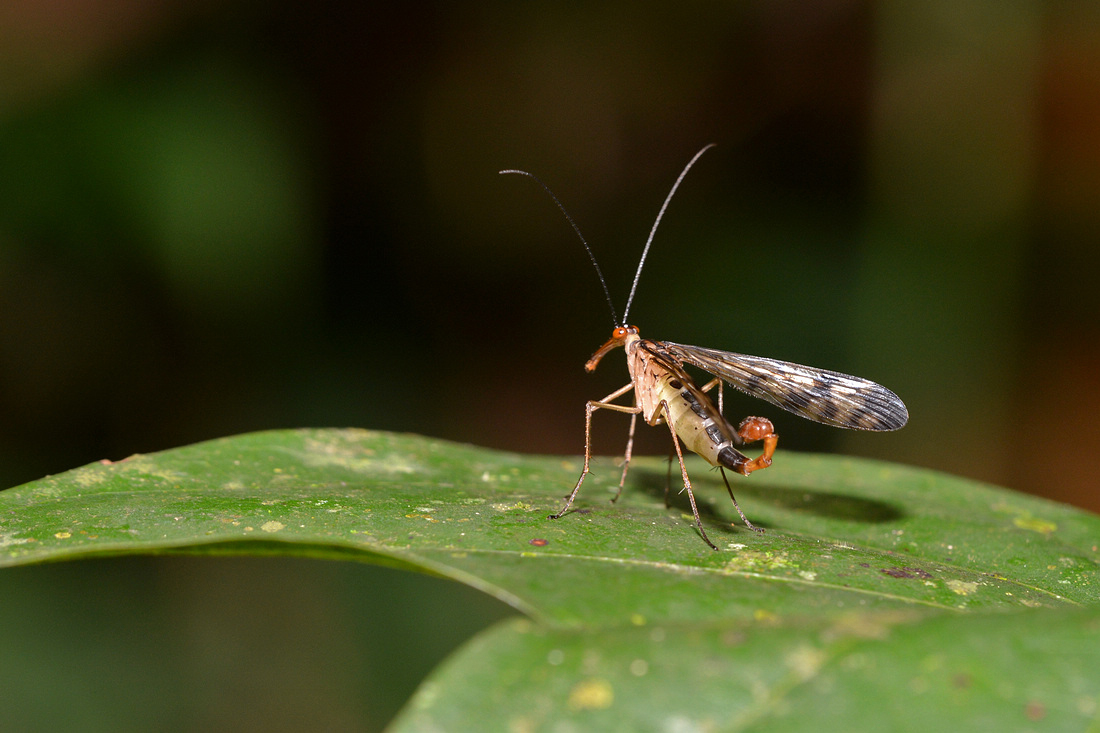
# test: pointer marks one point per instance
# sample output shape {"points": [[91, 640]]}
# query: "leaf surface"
{"points": [[873, 581]]}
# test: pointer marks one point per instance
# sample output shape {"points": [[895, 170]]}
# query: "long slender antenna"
{"points": [[599, 272], [661, 213]]}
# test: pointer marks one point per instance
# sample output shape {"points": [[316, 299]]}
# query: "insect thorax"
{"points": [[659, 378]]}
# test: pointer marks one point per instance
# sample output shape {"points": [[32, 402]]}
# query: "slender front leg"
{"points": [[684, 473], [590, 407]]}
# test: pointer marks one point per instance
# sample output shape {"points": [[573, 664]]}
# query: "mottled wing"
{"points": [[816, 394]]}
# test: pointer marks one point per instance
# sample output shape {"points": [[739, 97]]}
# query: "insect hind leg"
{"points": [[750, 430], [668, 476], [684, 473], [736, 506]]}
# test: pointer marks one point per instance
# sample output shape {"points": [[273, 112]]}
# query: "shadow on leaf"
{"points": [[709, 486]]}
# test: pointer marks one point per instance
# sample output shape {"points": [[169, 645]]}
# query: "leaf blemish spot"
{"points": [[963, 587], [592, 694]]}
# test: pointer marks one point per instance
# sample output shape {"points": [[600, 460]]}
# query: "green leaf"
{"points": [[896, 671], [868, 571], [843, 534]]}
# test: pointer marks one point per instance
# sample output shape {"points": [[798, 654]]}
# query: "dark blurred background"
{"points": [[225, 216]]}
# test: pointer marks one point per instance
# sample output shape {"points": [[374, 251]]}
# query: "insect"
{"points": [[664, 393]]}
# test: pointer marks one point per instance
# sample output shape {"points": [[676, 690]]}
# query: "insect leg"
{"points": [[750, 430], [626, 456], [668, 477], [744, 519], [684, 473], [590, 407], [716, 382]]}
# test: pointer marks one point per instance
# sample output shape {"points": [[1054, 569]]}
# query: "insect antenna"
{"points": [[600, 273], [661, 213]]}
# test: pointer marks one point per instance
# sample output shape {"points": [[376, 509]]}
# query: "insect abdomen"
{"points": [[698, 423]]}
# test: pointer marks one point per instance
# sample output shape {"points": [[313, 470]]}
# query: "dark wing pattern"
{"points": [[827, 397]]}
